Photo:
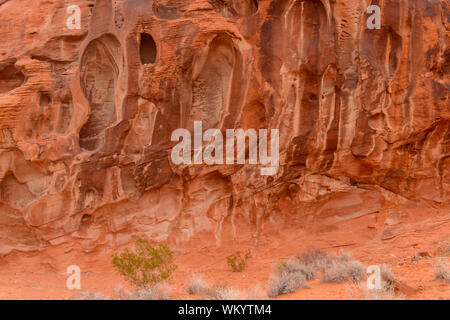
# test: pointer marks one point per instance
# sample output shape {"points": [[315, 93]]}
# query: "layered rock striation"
{"points": [[86, 115]]}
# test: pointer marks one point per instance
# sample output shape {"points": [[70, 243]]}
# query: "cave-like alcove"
{"points": [[147, 49]]}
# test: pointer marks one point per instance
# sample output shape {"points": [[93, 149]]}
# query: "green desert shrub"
{"points": [[237, 262], [147, 265]]}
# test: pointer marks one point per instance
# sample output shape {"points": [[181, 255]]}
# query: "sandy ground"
{"points": [[41, 275]]}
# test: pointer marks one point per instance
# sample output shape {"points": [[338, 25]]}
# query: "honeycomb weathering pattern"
{"points": [[85, 126]]}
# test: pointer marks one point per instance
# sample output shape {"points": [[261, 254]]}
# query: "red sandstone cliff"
{"points": [[86, 115]]}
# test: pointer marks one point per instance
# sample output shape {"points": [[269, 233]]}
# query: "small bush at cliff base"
{"points": [[442, 270], [387, 290], [387, 278], [293, 274], [160, 291], [316, 259], [87, 295], [296, 266], [224, 292], [237, 262], [197, 286], [342, 268], [286, 283], [146, 266]]}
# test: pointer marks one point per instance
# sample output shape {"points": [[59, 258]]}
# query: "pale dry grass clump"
{"points": [[387, 278], [378, 294], [317, 259], [442, 270], [197, 286], [224, 292], [358, 291], [334, 268], [387, 290], [285, 283], [88, 295], [159, 291], [256, 294], [342, 268], [293, 274], [297, 266]]}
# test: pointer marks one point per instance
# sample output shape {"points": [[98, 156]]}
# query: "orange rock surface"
{"points": [[86, 117]]}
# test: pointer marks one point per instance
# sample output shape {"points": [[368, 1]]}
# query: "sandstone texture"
{"points": [[86, 116]]}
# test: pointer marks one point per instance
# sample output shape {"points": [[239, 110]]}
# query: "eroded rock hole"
{"points": [[210, 89], [85, 218], [45, 100], [10, 78], [14, 192], [395, 46], [307, 29], [99, 72], [147, 49], [65, 114], [383, 49]]}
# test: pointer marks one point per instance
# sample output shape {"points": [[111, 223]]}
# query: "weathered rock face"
{"points": [[86, 116]]}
